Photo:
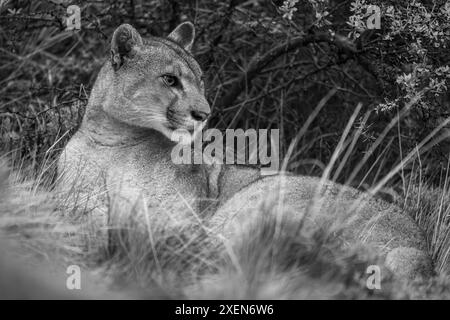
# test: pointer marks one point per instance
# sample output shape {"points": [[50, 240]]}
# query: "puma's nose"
{"points": [[199, 115]]}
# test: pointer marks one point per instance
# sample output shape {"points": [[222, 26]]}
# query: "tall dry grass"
{"points": [[44, 87], [158, 259]]}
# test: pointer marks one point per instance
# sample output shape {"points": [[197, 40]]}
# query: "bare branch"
{"points": [[259, 62]]}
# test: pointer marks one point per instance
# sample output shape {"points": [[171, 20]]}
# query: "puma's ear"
{"points": [[183, 35], [123, 45]]}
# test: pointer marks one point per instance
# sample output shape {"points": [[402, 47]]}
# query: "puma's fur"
{"points": [[313, 203], [122, 154]]}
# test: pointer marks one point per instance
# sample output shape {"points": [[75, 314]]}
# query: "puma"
{"points": [[121, 157]]}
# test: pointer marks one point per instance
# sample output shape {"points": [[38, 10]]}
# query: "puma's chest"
{"points": [[137, 171]]}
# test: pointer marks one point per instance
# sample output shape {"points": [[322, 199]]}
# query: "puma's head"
{"points": [[155, 83]]}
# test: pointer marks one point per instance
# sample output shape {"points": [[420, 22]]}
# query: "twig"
{"points": [[258, 62]]}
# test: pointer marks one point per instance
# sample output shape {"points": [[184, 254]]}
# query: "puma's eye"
{"points": [[170, 80]]}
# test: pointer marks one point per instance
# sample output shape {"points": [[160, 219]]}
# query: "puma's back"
{"points": [[312, 204]]}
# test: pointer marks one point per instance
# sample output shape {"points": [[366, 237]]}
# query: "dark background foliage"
{"points": [[266, 65]]}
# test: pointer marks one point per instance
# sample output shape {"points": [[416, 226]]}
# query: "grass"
{"points": [[184, 261], [160, 259], [430, 208], [44, 88], [188, 260]]}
